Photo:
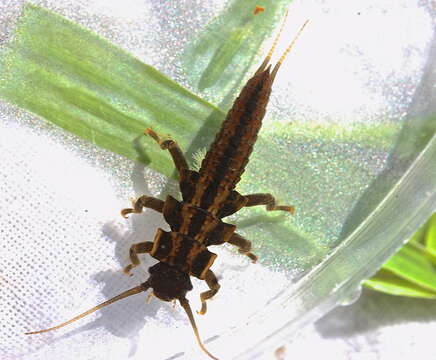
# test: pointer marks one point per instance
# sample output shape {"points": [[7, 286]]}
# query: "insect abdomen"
{"points": [[228, 155], [196, 223]]}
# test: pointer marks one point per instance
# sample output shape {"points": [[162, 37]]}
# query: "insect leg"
{"points": [[269, 201], [172, 147], [244, 246], [143, 202], [214, 286], [135, 249]]}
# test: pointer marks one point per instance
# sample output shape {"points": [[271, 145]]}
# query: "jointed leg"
{"points": [[172, 147], [212, 282], [135, 249], [144, 202], [269, 201], [244, 246]]}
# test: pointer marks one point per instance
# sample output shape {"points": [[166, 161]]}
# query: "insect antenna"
{"points": [[288, 49], [185, 304], [273, 46], [136, 290]]}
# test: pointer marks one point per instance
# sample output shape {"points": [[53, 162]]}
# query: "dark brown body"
{"points": [[208, 195], [228, 155]]}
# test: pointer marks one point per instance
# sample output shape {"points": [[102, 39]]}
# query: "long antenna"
{"points": [[271, 51], [133, 291], [288, 49], [185, 304]]}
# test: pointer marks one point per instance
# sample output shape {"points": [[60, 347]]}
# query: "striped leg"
{"points": [[244, 246], [141, 203], [269, 201], [214, 286], [172, 147], [135, 249]]}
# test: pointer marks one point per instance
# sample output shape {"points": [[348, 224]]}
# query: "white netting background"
{"points": [[63, 245], [62, 241]]}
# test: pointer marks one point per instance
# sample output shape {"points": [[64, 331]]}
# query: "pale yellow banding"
{"points": [[288, 49], [230, 230], [193, 252], [187, 218], [176, 243], [209, 224], [273, 47], [220, 199]]}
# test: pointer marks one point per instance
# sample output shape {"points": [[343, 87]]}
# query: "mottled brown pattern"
{"points": [[207, 196], [182, 252], [228, 155]]}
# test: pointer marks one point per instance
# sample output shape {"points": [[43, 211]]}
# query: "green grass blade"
{"points": [[219, 58], [430, 235], [82, 83], [389, 283], [424, 251], [411, 263], [223, 56], [98, 92], [410, 272], [79, 81]]}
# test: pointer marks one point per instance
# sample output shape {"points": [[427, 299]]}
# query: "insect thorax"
{"points": [[182, 252]]}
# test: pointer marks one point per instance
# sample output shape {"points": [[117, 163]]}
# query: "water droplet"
{"points": [[351, 297]]}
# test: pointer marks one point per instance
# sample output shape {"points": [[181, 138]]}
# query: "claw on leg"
{"points": [[214, 286], [172, 147], [142, 202], [135, 249], [150, 297], [244, 246], [125, 212], [127, 269], [269, 201]]}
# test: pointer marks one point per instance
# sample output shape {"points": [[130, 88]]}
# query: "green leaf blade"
{"points": [[410, 263], [82, 83], [430, 235], [218, 59], [411, 272], [389, 283]]}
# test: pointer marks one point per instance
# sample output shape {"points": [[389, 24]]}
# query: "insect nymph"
{"points": [[208, 195]]}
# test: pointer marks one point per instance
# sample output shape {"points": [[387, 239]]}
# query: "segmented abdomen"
{"points": [[228, 155], [196, 223]]}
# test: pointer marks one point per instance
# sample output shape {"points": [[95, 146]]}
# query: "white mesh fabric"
{"points": [[62, 241], [64, 244]]}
